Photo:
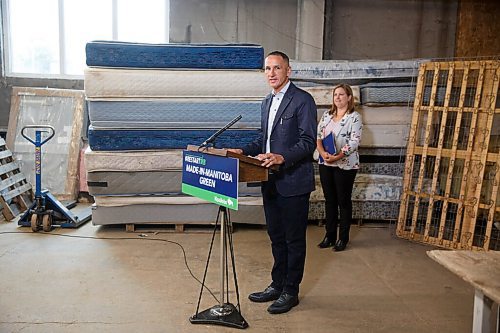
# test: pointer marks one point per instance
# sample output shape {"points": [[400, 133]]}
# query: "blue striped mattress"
{"points": [[174, 113], [387, 93], [143, 139], [203, 56]]}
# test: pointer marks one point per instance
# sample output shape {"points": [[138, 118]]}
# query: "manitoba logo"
{"points": [[224, 201]]}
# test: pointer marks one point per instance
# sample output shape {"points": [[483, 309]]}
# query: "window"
{"points": [[47, 38]]}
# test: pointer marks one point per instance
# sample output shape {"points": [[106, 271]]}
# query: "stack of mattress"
{"points": [[374, 197], [147, 102], [386, 91]]}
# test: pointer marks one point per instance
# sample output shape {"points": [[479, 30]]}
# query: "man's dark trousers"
{"points": [[286, 219]]}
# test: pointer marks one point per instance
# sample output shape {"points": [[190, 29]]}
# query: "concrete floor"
{"points": [[53, 283]]}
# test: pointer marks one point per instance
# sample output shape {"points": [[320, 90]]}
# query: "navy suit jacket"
{"points": [[293, 135]]}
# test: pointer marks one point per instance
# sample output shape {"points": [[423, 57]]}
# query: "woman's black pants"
{"points": [[337, 187]]}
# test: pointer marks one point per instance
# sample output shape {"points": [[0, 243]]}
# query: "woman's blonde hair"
{"points": [[348, 90]]}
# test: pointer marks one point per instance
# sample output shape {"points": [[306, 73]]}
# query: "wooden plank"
{"points": [[15, 103], [469, 184], [11, 180], [490, 88], [439, 149], [438, 197], [6, 210], [423, 164], [477, 18], [494, 190], [171, 227], [479, 268], [71, 187], [24, 200], [16, 192], [410, 154], [451, 167], [453, 158], [8, 168], [5, 154]]}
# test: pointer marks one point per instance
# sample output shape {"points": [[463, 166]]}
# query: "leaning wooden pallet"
{"points": [[452, 171], [16, 194]]}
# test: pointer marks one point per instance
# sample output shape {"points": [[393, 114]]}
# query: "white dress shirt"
{"points": [[275, 104]]}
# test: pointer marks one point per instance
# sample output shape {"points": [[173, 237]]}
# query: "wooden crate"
{"points": [[450, 188]]}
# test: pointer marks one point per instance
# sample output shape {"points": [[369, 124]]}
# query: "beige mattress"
{"points": [[154, 83], [170, 210], [114, 201], [133, 160]]}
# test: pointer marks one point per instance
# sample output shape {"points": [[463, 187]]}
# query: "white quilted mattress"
{"points": [[368, 187], [386, 115], [133, 160], [150, 83]]}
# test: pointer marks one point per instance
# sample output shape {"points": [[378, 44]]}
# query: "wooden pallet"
{"points": [[130, 227], [16, 194], [169, 227], [452, 171]]}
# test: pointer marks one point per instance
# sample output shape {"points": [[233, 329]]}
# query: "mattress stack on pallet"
{"points": [[147, 102], [386, 91]]}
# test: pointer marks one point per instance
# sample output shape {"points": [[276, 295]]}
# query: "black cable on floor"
{"points": [[120, 238]]}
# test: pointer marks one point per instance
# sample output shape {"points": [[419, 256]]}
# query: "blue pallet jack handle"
{"points": [[46, 207], [38, 151]]}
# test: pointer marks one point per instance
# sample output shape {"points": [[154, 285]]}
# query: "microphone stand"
{"points": [[211, 140]]}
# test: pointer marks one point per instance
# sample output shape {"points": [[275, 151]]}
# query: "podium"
{"points": [[225, 313]]}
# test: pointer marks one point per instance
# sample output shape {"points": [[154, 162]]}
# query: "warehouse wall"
{"points": [[404, 29], [293, 26], [389, 29], [273, 24]]}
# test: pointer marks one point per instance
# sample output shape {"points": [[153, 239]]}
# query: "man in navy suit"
{"points": [[288, 128]]}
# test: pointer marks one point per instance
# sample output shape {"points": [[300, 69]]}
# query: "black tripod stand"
{"points": [[224, 313]]}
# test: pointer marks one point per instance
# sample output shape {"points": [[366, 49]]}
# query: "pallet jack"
{"points": [[46, 210]]}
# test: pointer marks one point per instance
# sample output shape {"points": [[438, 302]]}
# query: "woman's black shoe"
{"points": [[326, 242], [340, 245]]}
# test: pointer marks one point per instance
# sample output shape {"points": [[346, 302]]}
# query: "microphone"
{"points": [[219, 132]]}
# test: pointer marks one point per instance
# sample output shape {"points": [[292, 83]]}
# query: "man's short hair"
{"points": [[281, 54]]}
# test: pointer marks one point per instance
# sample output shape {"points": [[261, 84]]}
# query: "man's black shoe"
{"points": [[283, 304], [340, 246], [269, 294]]}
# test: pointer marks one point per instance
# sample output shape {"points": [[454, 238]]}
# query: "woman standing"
{"points": [[338, 170]]}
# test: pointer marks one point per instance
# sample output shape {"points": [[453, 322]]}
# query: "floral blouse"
{"points": [[347, 137]]}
